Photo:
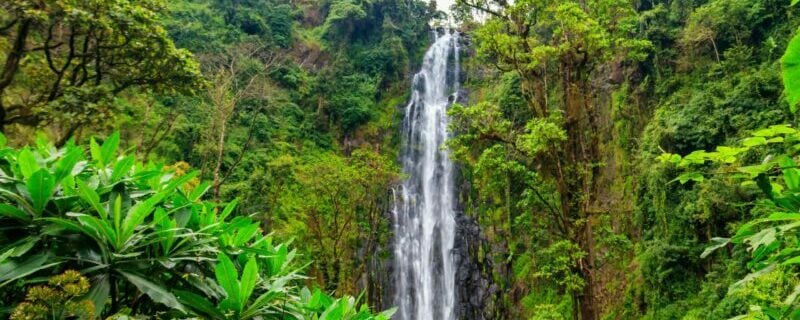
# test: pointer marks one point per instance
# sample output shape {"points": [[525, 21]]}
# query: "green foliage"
{"points": [[769, 238], [136, 230], [333, 204], [557, 263], [790, 63], [70, 59], [352, 100]]}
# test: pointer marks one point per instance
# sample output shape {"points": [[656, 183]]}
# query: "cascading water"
{"points": [[424, 214]]}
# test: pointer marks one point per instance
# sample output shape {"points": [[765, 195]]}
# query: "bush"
{"points": [[144, 238]]}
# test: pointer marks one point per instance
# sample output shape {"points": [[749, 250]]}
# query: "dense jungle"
{"points": [[399, 159]]}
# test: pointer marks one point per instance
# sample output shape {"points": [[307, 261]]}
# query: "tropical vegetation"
{"points": [[236, 159]]}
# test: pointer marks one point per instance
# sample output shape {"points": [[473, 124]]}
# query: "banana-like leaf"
{"points": [[199, 191], [243, 235], [228, 209], [100, 227]]}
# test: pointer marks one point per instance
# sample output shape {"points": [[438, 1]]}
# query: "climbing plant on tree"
{"points": [[557, 49]]}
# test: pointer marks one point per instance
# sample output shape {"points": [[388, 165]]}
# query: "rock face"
{"points": [[472, 284]]}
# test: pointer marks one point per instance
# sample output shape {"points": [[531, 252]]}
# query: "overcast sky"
{"points": [[444, 5]]}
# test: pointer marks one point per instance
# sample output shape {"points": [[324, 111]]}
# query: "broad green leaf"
{"points": [[27, 163], [794, 260], [335, 311], [40, 187], [754, 141], [277, 260], [109, 149], [790, 66], [750, 277], [245, 234], [67, 163], [228, 209], [99, 292], [5, 255], [755, 170], [227, 277], [791, 175], [97, 155], [71, 225], [716, 244], [11, 271], [156, 292], [91, 197], [117, 212], [122, 167], [764, 237], [776, 140], [22, 246], [199, 191], [254, 309], [198, 303], [141, 210], [249, 281], [100, 227], [689, 176], [13, 212]]}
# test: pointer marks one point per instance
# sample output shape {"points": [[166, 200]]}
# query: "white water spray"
{"points": [[425, 212]]}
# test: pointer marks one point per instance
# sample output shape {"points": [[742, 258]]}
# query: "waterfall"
{"points": [[424, 213]]}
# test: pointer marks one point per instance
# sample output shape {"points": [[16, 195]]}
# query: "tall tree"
{"points": [[557, 48]]}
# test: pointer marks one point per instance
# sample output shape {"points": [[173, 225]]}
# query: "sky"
{"points": [[444, 5]]}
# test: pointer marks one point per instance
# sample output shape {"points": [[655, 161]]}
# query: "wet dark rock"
{"points": [[471, 282]]}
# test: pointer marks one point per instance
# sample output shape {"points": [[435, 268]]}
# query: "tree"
{"points": [[337, 203], [556, 48], [239, 77], [67, 60]]}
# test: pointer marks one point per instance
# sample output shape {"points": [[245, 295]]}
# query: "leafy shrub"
{"points": [[143, 237]]}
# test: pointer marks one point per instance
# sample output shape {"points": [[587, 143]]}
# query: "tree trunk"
{"points": [[220, 156], [11, 66]]}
